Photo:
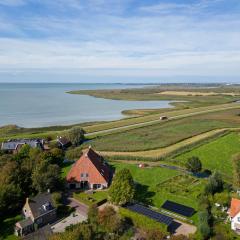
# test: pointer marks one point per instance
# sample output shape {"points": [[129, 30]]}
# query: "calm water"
{"points": [[37, 105]]}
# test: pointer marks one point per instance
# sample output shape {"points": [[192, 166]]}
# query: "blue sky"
{"points": [[119, 40]]}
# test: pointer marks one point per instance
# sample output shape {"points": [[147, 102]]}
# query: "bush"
{"points": [[194, 165], [109, 219]]}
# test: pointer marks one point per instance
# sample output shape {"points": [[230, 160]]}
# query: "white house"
{"points": [[234, 214]]}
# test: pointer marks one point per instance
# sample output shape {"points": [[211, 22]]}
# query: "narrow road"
{"points": [[78, 206], [235, 105]]}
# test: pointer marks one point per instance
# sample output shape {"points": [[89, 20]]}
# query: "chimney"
{"points": [[27, 200], [89, 147]]}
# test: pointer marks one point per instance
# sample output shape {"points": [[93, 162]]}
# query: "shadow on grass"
{"points": [[143, 195]]}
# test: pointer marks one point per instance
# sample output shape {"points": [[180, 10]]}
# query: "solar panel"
{"points": [[178, 208], [150, 213]]}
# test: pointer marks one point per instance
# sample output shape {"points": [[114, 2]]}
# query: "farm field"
{"points": [[170, 132], [216, 154]]}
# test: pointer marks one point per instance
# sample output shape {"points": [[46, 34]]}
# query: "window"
{"points": [[238, 219], [84, 175]]}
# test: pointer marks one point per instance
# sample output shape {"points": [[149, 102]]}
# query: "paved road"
{"points": [[74, 218], [79, 207], [160, 121]]}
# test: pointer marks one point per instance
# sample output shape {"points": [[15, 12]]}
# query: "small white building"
{"points": [[234, 214]]}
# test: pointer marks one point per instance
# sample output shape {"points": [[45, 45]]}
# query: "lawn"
{"points": [[216, 154], [156, 185], [164, 134], [7, 228], [93, 198], [65, 168]]}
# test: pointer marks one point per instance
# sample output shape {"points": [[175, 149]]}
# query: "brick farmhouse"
{"points": [[91, 171]]}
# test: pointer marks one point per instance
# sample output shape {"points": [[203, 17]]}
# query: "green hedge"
{"points": [[143, 222]]}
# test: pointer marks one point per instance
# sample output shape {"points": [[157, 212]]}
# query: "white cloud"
{"points": [[166, 44]]}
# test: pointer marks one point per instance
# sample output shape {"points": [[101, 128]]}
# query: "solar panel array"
{"points": [[150, 213], [178, 208]]}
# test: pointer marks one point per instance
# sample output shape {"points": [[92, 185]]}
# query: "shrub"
{"points": [[194, 165], [109, 219]]}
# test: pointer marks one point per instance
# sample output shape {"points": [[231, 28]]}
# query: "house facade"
{"points": [[38, 212], [89, 172], [63, 142], [14, 145], [234, 214]]}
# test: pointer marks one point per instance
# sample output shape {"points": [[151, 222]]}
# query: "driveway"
{"points": [[178, 228], [74, 218], [78, 206]]}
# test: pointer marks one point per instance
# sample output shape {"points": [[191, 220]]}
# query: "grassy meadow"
{"points": [[216, 154]]}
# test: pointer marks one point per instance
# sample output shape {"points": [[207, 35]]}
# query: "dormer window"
{"points": [[46, 206]]}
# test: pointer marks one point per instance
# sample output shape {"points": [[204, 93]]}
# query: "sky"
{"points": [[119, 40]]}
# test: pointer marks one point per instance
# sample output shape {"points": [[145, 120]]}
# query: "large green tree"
{"points": [[214, 184], [75, 135], [46, 176], [10, 191], [122, 189], [54, 156]]}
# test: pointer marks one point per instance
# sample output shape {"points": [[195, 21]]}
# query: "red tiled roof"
{"points": [[235, 207], [92, 164]]}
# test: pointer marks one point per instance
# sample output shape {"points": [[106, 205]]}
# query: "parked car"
{"points": [[163, 118]]}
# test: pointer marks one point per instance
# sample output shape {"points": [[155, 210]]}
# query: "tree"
{"points": [[204, 229], [122, 189], [93, 215], [109, 219], [194, 165], [57, 199], [75, 135], [54, 156], [236, 170], [46, 176], [215, 184], [10, 191]]}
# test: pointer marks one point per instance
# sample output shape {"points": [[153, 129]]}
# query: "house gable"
{"points": [[90, 167]]}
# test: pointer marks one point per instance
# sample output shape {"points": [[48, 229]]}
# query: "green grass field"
{"points": [[216, 154], [90, 199], [164, 134]]}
